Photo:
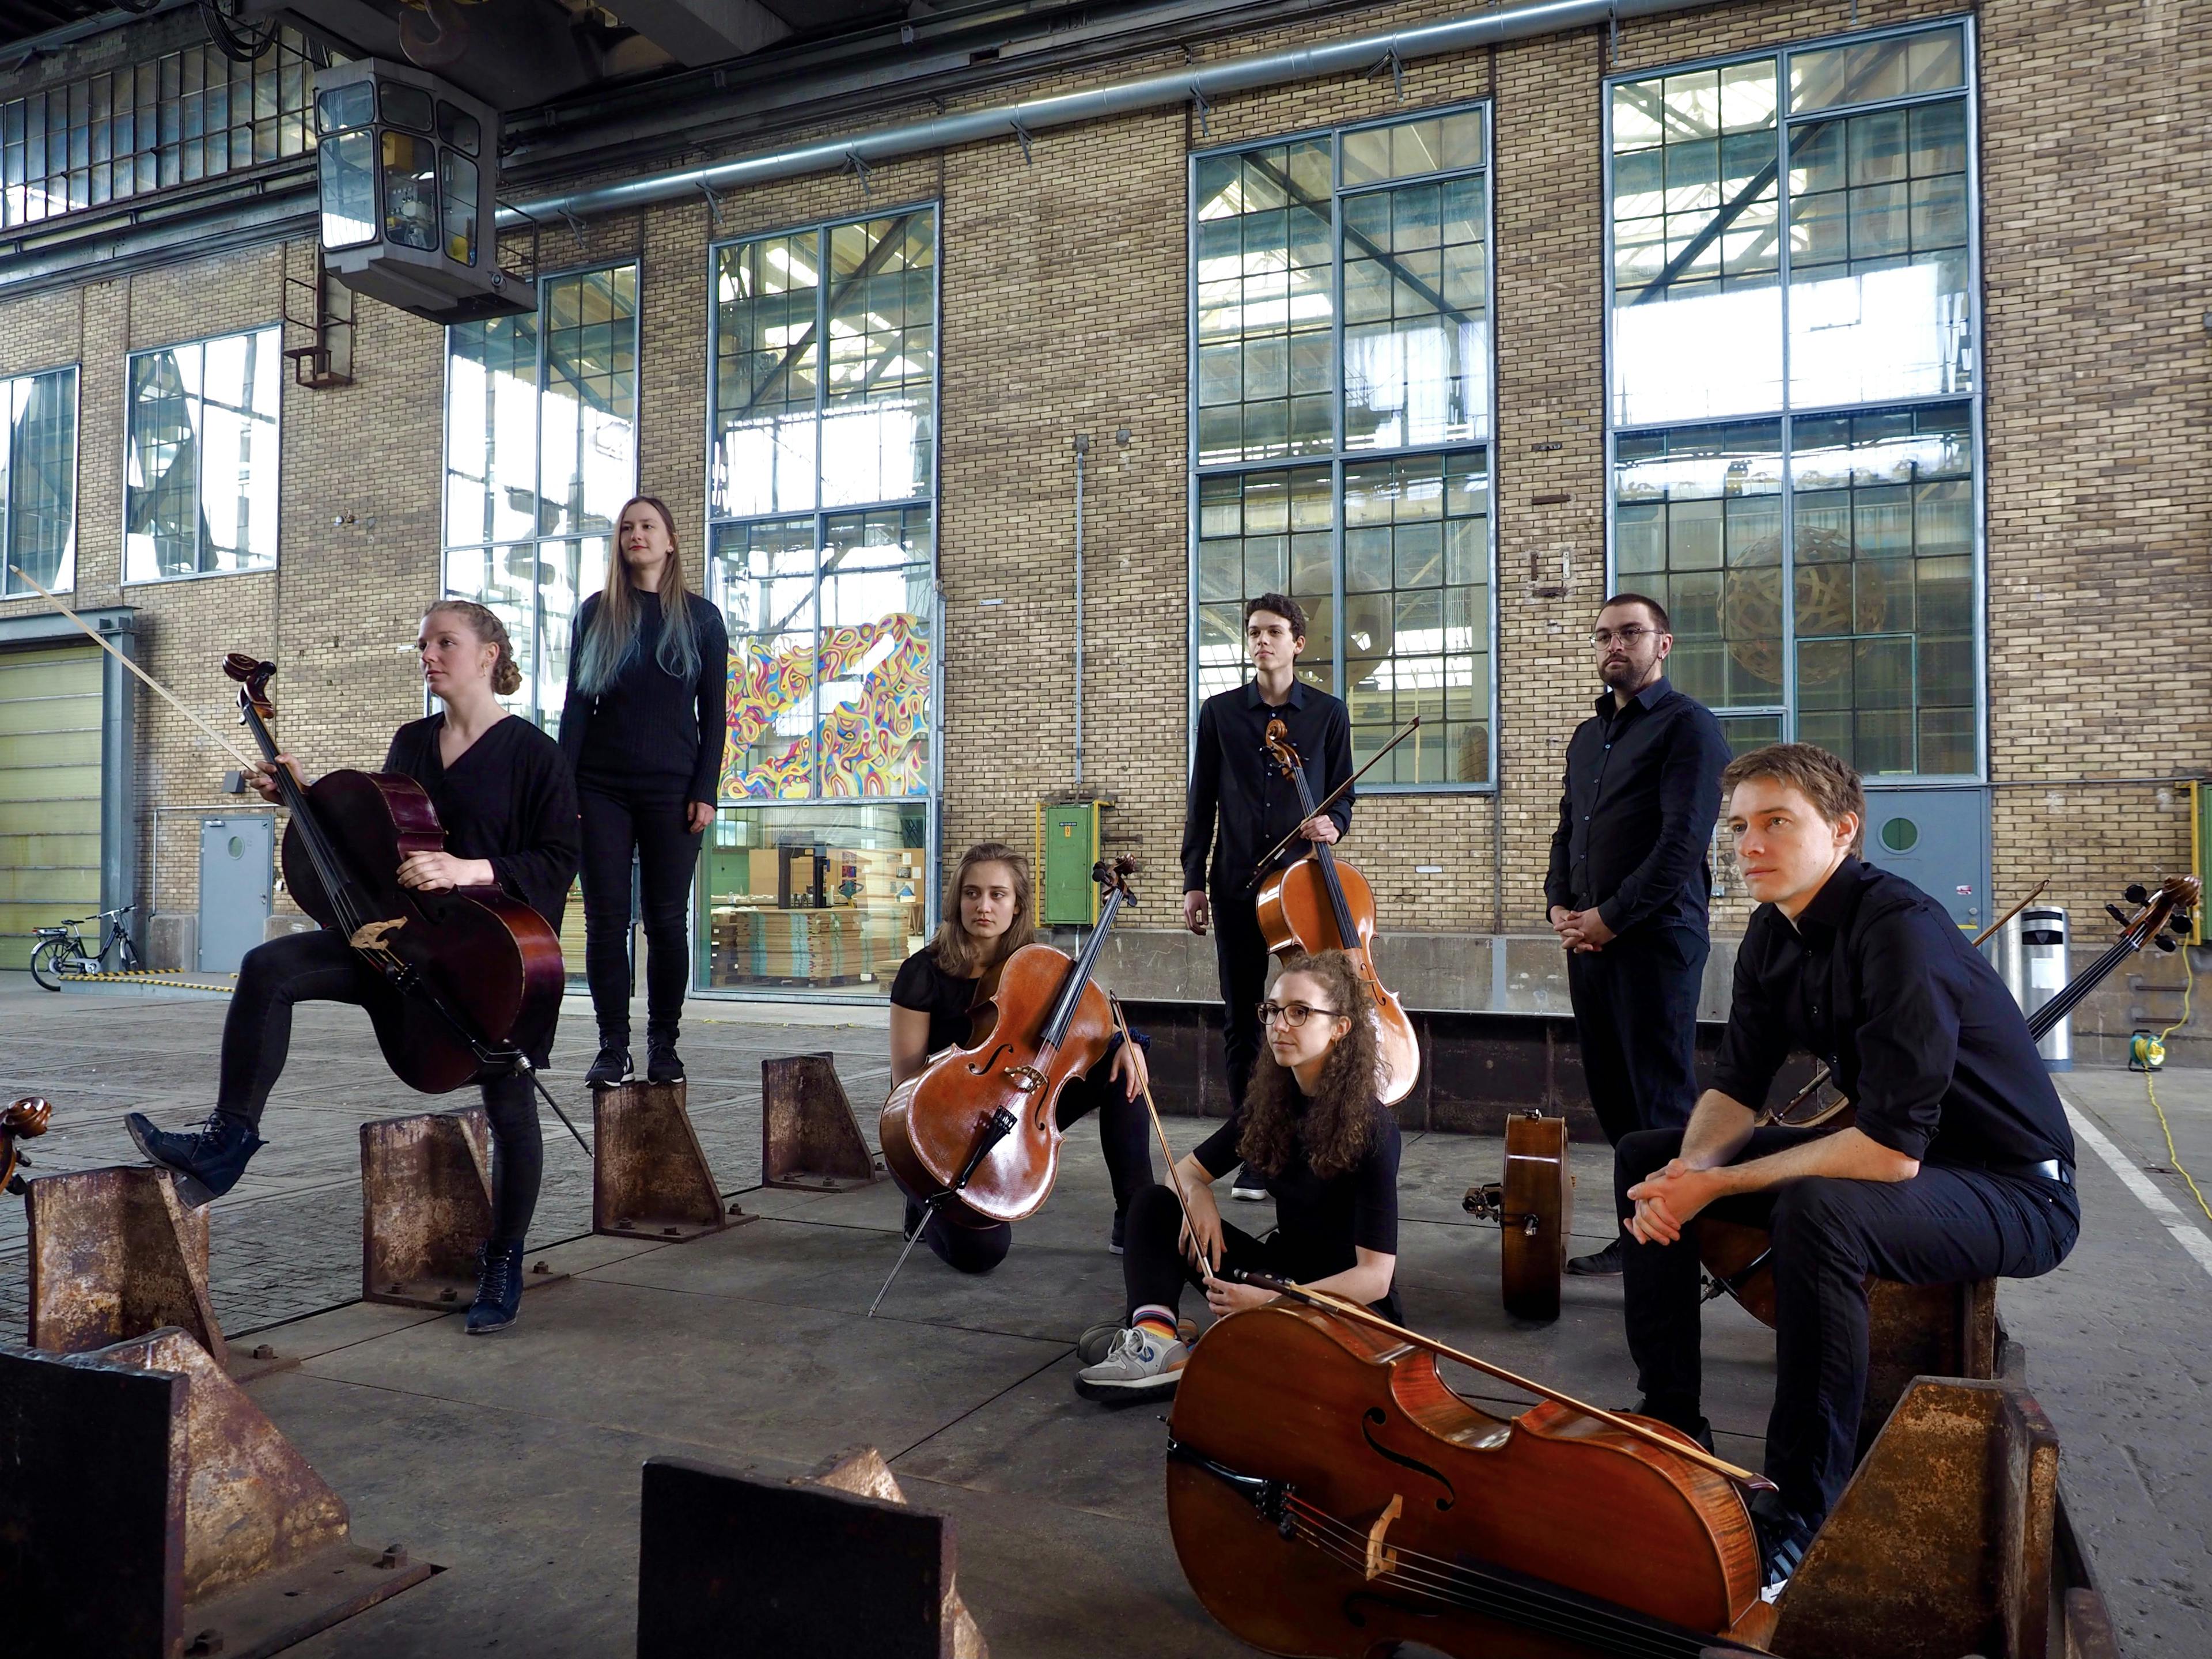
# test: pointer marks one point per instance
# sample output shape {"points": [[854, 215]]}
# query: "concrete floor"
{"points": [[514, 1461]]}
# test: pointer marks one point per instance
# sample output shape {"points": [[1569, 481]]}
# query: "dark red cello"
{"points": [[477, 974]]}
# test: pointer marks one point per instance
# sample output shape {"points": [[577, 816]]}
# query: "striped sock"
{"points": [[1156, 1322]]}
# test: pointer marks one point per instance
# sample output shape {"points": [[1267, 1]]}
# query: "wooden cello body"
{"points": [[1329, 1496], [1320, 902], [474, 953], [976, 1131]]}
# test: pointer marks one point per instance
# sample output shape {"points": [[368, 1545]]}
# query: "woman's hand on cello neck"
{"points": [[263, 778]]}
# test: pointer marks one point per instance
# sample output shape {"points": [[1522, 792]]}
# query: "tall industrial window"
{"points": [[200, 480], [38, 481], [175, 120], [1795, 390], [1342, 393], [541, 429], [821, 506]]}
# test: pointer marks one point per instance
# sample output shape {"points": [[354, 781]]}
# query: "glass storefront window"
{"points": [[829, 896]]}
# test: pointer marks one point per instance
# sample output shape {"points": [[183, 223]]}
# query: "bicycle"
{"points": [[61, 952]]}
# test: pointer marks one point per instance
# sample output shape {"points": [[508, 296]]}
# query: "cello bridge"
{"points": [[1027, 1078], [372, 935]]}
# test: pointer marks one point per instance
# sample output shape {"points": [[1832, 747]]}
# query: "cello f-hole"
{"points": [[982, 1067], [1374, 1415]]}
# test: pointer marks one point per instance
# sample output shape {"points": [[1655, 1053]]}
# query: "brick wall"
{"points": [[1064, 285]]}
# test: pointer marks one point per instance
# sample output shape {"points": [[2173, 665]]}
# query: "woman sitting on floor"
{"points": [[1313, 1127], [989, 914]]}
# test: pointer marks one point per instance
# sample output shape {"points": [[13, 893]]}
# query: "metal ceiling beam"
{"points": [[1359, 55], [695, 32]]}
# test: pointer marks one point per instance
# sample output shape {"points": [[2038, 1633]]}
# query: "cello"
{"points": [[1328, 1495], [27, 1118], [1736, 1254], [976, 1133], [477, 973], [1318, 903]]}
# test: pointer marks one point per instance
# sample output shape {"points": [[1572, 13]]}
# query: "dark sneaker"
{"points": [[1096, 1343], [662, 1063], [1599, 1264], [1248, 1187], [499, 1287], [1782, 1539], [1114, 1246], [1138, 1367], [1689, 1422], [612, 1068], [206, 1162]]}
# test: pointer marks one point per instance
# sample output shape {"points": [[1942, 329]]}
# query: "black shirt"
{"points": [[1637, 809], [650, 733], [1922, 1037], [947, 999], [1324, 1224], [508, 799], [1239, 800]]}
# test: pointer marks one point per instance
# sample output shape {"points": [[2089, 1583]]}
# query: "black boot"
{"points": [[662, 1064], [207, 1162], [613, 1066], [499, 1287]]}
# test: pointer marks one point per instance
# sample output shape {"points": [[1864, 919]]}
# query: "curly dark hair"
{"points": [[1337, 1124]]}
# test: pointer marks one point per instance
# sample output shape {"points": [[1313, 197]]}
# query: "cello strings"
{"points": [[1518, 1603]]}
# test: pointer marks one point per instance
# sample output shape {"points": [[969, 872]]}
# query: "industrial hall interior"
{"points": [[1425, 784]]}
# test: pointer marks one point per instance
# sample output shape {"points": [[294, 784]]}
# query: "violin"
{"points": [[476, 973], [976, 1133], [1328, 1495], [1736, 1256], [23, 1120], [1320, 902]]}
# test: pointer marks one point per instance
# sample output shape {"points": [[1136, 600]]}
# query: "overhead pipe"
{"points": [[1202, 82]]}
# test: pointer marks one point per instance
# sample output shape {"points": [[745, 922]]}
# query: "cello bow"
{"points": [[1358, 1313], [1175, 1184], [1260, 871]]}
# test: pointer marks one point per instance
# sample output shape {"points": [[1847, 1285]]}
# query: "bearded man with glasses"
{"points": [[1629, 880]]}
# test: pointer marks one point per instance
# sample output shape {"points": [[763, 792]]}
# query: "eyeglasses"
{"points": [[1602, 637], [1293, 1014]]}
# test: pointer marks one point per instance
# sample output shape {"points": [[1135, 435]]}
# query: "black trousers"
{"points": [[321, 967], [1240, 951], [1154, 1269], [1124, 1135], [615, 824], [1945, 1226], [1636, 1020]]}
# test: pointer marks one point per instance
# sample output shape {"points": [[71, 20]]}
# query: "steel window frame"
{"points": [[1787, 413], [1338, 456], [276, 424], [76, 370]]}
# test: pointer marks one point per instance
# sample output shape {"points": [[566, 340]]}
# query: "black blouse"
{"points": [[650, 733], [1322, 1223], [947, 999], [510, 798]]}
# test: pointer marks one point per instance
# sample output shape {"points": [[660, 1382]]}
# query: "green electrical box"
{"points": [[1067, 848]]}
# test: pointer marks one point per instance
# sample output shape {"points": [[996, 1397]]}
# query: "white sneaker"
{"points": [[1139, 1366], [1247, 1187]]}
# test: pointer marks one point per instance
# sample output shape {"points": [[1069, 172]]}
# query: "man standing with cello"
{"points": [[1958, 1165], [1627, 884], [1239, 805]]}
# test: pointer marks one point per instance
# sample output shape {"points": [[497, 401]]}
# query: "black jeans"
{"points": [[1945, 1226], [1240, 951], [1124, 1135], [667, 858], [321, 967], [1635, 1020], [1154, 1269]]}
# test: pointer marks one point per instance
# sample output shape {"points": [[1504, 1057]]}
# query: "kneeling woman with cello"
{"points": [[503, 794], [1314, 1129], [989, 914]]}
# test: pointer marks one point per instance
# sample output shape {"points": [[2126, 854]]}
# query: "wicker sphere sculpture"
{"points": [[1828, 602]]}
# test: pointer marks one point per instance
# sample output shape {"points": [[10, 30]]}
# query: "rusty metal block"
{"points": [[426, 1209], [1942, 1543], [146, 1501], [862, 1472], [1925, 1330], [115, 1255], [809, 1138], [649, 1174]]}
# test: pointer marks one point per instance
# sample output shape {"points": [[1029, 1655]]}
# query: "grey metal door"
{"points": [[237, 868], [1939, 840]]}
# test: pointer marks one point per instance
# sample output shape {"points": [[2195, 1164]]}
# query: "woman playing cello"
{"points": [[989, 914], [503, 794], [1315, 1130]]}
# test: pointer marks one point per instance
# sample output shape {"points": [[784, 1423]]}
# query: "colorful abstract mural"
{"points": [[875, 745]]}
